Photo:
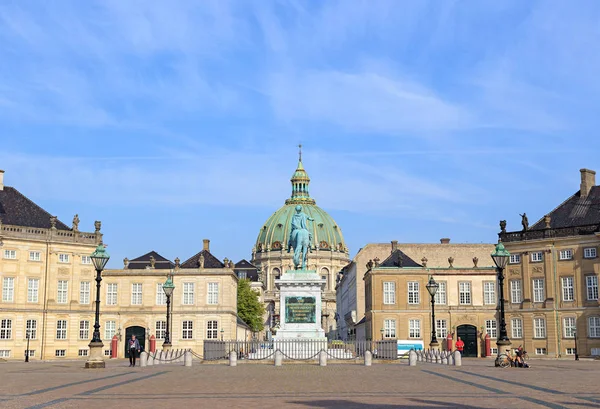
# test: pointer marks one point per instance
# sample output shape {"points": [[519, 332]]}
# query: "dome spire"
{"points": [[300, 182]]}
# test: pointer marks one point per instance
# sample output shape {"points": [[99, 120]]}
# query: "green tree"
{"points": [[249, 307]]}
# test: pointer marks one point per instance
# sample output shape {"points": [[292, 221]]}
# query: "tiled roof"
{"points": [[244, 264], [399, 259], [143, 262], [16, 209], [210, 261], [250, 269], [575, 211]]}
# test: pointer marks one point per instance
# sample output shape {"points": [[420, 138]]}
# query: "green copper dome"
{"points": [[326, 234]]}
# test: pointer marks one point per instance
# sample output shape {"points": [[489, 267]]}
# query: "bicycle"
{"points": [[509, 360]]}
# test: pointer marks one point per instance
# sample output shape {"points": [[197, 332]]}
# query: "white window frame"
{"points": [[189, 294], [591, 283], [491, 328], [567, 285], [62, 292], [161, 297], [112, 293], [86, 260], [516, 291], [569, 327], [541, 351], [84, 329], [537, 286], [441, 328], [566, 254], [413, 293], [35, 256], [136, 294], [10, 254], [389, 292], [440, 295], [160, 329], [61, 329], [414, 328], [110, 330], [537, 256], [4, 353], [8, 289], [570, 351], [594, 327], [64, 258], [60, 353], [5, 328], [33, 290], [83, 352], [187, 329], [489, 293], [464, 293], [31, 327], [590, 252], [212, 329], [84, 292], [539, 328], [516, 327], [514, 259], [212, 293], [389, 328]]}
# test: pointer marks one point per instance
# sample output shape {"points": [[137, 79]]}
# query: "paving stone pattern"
{"points": [[477, 384]]}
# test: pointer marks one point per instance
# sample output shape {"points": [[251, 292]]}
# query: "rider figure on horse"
{"points": [[300, 237]]}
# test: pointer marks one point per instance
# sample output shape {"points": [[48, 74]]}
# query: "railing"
{"points": [[300, 349], [546, 233], [34, 233]]}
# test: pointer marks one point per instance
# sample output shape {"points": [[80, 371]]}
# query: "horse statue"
{"points": [[300, 238]]}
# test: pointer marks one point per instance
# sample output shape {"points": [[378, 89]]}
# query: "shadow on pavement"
{"points": [[347, 404]]}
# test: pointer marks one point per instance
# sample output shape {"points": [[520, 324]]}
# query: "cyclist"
{"points": [[519, 356]]}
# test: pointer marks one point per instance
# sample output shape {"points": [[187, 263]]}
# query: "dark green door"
{"points": [[140, 334], [468, 334]]}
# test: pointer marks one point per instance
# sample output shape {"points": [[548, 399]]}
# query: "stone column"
{"points": [[187, 358], [457, 358], [233, 358], [322, 358], [368, 358], [412, 358]]}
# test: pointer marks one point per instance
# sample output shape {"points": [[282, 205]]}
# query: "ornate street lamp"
{"points": [[27, 334], [99, 258], [432, 287], [382, 332], [500, 257], [575, 339], [222, 332], [168, 288]]}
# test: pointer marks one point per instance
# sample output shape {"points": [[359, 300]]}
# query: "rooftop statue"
{"points": [[300, 238]]}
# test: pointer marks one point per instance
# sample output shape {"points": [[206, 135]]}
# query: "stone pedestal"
{"points": [[167, 347], [300, 305], [96, 359]]}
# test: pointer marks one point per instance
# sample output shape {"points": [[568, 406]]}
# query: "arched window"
{"points": [[275, 274]]}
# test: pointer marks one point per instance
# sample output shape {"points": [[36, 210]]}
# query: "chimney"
{"points": [[588, 181], [1, 179], [445, 240], [206, 245], [394, 245]]}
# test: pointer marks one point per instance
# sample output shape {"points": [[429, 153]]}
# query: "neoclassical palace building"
{"points": [[328, 250], [48, 290], [551, 284]]}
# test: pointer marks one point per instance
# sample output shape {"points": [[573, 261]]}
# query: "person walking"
{"points": [[460, 345], [134, 347]]}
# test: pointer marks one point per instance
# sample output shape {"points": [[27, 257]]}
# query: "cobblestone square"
{"points": [[477, 384]]}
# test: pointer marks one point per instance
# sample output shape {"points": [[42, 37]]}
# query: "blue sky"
{"points": [[177, 121]]}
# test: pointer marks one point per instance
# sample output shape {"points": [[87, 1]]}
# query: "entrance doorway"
{"points": [[468, 334], [140, 334]]}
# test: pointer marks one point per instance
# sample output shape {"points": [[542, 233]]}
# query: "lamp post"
{"points": [[222, 332], [382, 332], [27, 350], [168, 288], [99, 258], [432, 287], [576, 353], [500, 257]]}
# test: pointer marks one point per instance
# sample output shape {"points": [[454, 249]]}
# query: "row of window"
{"points": [[567, 254], [464, 292], [491, 328], [31, 327], [37, 256], [567, 289], [33, 286]]}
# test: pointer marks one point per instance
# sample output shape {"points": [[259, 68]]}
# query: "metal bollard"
{"points": [[143, 358], [278, 358], [232, 358], [457, 358], [412, 358], [322, 358], [187, 359], [368, 358]]}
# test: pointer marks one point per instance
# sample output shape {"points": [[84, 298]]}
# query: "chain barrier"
{"points": [[196, 355], [332, 356], [299, 359]]}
